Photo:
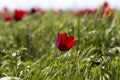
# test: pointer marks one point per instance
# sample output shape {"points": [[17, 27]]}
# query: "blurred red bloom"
{"points": [[77, 13], [106, 9], [8, 18], [33, 10], [85, 11], [19, 14], [106, 4], [64, 42]]}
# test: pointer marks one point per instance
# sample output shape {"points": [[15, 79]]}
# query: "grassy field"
{"points": [[28, 48]]}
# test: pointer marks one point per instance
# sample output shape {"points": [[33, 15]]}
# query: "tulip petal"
{"points": [[71, 44], [71, 38], [58, 39], [64, 37]]}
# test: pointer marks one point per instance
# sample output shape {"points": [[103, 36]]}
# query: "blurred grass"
{"points": [[28, 48]]}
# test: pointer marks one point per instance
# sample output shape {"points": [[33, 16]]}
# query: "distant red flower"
{"points": [[8, 18], [106, 9], [33, 10], [77, 13], [85, 11], [106, 4], [91, 11], [94, 10], [19, 14], [64, 42]]}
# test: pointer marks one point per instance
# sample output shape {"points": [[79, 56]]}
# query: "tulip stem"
{"points": [[68, 56]]}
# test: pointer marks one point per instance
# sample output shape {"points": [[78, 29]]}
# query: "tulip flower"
{"points": [[85, 11], [33, 10], [64, 42], [8, 18], [106, 9], [77, 13], [19, 14]]}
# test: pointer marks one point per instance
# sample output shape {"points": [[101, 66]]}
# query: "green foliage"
{"points": [[28, 48]]}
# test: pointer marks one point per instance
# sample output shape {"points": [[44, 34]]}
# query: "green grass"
{"points": [[28, 48]]}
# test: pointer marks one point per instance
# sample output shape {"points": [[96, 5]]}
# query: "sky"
{"points": [[56, 4]]}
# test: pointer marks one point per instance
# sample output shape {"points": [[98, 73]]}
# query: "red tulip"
{"points": [[19, 14], [106, 4], [83, 12], [64, 42], [8, 18], [77, 13], [106, 9], [33, 10]]}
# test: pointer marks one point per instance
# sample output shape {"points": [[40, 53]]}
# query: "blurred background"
{"points": [[56, 4]]}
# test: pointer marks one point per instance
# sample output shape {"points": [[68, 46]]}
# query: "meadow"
{"points": [[28, 48]]}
